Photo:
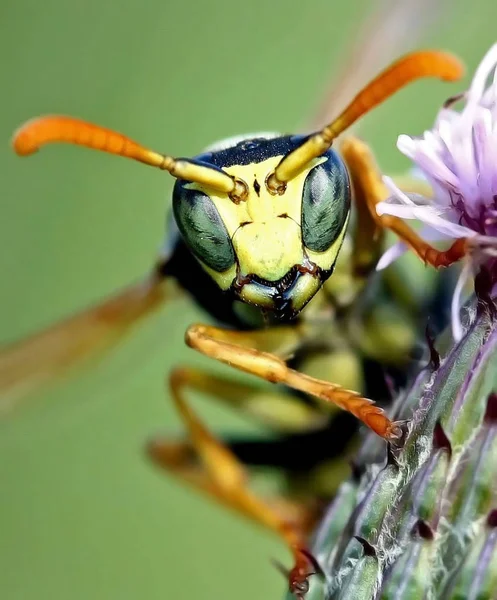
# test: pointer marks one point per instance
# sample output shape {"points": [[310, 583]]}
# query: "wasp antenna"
{"points": [[427, 63], [45, 130]]}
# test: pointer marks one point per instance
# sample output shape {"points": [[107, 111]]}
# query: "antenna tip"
{"points": [[23, 142], [455, 68]]}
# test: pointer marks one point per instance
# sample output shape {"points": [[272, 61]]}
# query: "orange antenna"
{"points": [[428, 63], [45, 130]]}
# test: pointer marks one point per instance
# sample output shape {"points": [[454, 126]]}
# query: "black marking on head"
{"points": [[254, 150], [283, 216], [257, 187], [281, 285]]}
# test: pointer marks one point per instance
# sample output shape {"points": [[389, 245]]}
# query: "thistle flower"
{"points": [[458, 158], [420, 521]]}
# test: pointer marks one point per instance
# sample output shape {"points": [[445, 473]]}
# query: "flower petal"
{"points": [[457, 329], [391, 255], [428, 215], [458, 158]]}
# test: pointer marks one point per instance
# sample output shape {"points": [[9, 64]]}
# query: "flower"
{"points": [[458, 158]]}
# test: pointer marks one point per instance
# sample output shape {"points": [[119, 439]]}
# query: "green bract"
{"points": [[420, 522]]}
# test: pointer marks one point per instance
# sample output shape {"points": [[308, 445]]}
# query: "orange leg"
{"points": [[368, 234], [370, 190], [208, 465], [225, 346]]}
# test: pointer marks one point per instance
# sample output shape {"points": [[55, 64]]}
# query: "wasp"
{"points": [[276, 237]]}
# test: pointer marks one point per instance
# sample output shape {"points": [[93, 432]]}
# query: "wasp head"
{"points": [[272, 248]]}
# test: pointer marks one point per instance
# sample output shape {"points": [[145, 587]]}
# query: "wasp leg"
{"points": [[181, 459], [308, 447], [224, 478], [282, 412], [367, 178], [222, 345], [368, 235]]}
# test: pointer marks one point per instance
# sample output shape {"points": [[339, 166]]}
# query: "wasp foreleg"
{"points": [[215, 342], [370, 190]]}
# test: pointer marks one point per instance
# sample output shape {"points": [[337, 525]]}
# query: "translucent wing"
{"points": [[45, 357], [392, 28]]}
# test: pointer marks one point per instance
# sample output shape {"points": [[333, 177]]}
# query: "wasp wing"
{"points": [[393, 28], [47, 356]]}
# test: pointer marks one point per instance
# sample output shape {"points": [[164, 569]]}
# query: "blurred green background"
{"points": [[82, 513]]}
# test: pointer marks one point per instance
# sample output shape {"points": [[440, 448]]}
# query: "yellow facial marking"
{"points": [[269, 249], [223, 280], [304, 289], [266, 243], [256, 294]]}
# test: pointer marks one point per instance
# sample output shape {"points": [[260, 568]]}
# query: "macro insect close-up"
{"points": [[349, 340]]}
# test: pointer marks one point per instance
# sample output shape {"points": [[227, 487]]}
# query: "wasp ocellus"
{"points": [[277, 237]]}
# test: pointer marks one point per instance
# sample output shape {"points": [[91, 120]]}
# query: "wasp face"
{"points": [[271, 250]]}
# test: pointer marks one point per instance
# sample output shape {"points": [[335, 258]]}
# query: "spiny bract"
{"points": [[420, 522]]}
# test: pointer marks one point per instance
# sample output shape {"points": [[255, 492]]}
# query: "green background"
{"points": [[82, 513]]}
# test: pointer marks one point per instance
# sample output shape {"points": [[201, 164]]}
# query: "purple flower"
{"points": [[458, 157]]}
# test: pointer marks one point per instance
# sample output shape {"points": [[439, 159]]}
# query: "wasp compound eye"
{"points": [[202, 228], [325, 203]]}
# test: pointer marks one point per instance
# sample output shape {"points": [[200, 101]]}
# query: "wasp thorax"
{"points": [[271, 250]]}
